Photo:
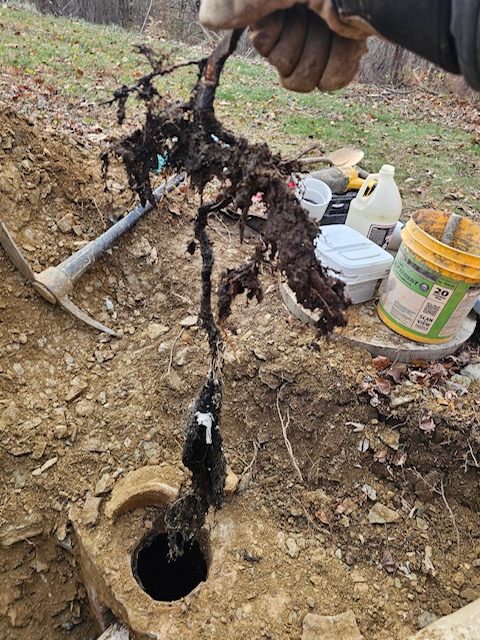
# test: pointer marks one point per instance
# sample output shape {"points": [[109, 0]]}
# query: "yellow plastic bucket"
{"points": [[432, 286]]}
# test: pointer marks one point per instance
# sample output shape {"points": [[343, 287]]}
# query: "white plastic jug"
{"points": [[376, 215]]}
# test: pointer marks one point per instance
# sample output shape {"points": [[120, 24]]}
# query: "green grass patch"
{"points": [[437, 161]]}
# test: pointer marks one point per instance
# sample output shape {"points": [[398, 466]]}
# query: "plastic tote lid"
{"points": [[347, 251]]}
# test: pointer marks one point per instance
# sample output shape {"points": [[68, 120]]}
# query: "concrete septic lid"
{"points": [[365, 329]]}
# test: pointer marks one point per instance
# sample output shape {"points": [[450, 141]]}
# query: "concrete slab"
{"points": [[464, 624], [365, 329]]}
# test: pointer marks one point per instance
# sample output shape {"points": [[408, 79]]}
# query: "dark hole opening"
{"points": [[165, 578]]}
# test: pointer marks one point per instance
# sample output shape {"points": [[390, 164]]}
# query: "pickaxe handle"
{"points": [[56, 283]]}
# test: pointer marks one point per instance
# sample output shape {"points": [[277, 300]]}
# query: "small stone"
{"points": [[426, 618], [76, 391], [19, 370], [45, 466], [339, 627], [64, 225], [458, 580], [22, 338], [39, 450], [69, 359], [380, 514], [140, 248], [360, 589], [104, 485], [94, 445], [181, 357], [90, 511], [245, 482], [422, 525], [156, 330], [231, 483], [189, 321], [152, 451], [310, 602], [19, 478], [175, 381], [471, 371], [357, 577], [369, 492], [391, 438], [292, 548], [24, 527], [464, 381], [469, 594], [60, 431], [445, 607], [397, 401], [84, 408]]}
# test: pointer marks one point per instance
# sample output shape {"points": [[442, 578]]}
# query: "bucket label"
{"points": [[426, 302], [381, 234]]}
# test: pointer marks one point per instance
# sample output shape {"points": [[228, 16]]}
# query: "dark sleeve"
{"points": [[446, 32], [465, 26]]}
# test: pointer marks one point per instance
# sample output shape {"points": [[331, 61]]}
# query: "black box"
{"points": [[338, 207]]}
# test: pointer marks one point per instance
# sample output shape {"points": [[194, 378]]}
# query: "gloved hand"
{"points": [[307, 41]]}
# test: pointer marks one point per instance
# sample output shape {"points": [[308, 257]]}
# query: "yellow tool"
{"points": [[343, 179]]}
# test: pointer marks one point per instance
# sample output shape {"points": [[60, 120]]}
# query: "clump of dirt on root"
{"points": [[188, 137]]}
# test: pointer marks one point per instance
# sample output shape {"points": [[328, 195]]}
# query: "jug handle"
{"points": [[366, 182]]}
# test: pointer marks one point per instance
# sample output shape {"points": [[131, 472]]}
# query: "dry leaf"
{"points": [[381, 456], [397, 371], [339, 508], [322, 516], [427, 423], [388, 563], [380, 363], [428, 566], [383, 386]]}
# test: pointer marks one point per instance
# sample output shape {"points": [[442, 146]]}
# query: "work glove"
{"points": [[308, 42]]}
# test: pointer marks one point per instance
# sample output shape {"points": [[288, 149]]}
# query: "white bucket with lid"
{"points": [[357, 261]]}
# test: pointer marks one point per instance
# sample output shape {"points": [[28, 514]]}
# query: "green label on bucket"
{"points": [[425, 302]]}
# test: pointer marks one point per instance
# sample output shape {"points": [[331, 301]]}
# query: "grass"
{"points": [[57, 63]]}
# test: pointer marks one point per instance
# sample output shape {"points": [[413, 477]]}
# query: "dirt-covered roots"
{"points": [[189, 138]]}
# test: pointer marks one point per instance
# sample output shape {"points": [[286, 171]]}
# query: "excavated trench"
{"points": [[80, 411]]}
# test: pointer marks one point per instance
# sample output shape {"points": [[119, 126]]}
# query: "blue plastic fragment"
{"points": [[161, 162]]}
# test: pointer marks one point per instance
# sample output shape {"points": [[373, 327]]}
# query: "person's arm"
{"points": [[446, 32]]}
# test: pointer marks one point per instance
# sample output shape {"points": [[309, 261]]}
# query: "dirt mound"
{"points": [[384, 518]]}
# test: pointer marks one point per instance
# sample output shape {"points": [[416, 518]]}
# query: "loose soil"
{"points": [[78, 410]]}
